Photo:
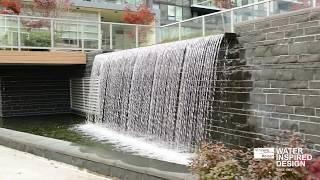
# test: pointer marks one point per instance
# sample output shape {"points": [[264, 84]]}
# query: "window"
{"points": [[178, 13], [156, 6], [174, 13], [171, 12]]}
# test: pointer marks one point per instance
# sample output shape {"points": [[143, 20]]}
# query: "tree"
{"points": [[143, 15], [301, 4], [51, 8], [226, 4], [46, 8], [11, 7]]}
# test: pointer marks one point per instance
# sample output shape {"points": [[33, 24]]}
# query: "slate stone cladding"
{"points": [[273, 82]]}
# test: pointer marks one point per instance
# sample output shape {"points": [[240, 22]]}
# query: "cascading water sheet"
{"points": [[161, 91]]}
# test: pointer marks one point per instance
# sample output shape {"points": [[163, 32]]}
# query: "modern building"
{"points": [[177, 10]]}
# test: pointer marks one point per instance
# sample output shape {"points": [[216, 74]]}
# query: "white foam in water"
{"points": [[162, 91], [136, 145]]}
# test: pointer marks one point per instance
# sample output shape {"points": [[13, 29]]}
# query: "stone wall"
{"points": [[273, 81]]}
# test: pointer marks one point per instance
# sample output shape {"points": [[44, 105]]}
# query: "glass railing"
{"points": [[225, 20], [26, 33], [122, 2]]}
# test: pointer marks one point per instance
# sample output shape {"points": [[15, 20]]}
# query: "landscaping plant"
{"points": [[46, 8], [216, 161], [143, 15], [11, 7], [38, 39]]}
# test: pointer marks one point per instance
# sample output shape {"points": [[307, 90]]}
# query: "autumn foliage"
{"points": [[11, 7], [143, 15], [217, 161], [225, 4], [301, 4], [51, 8], [46, 8]]}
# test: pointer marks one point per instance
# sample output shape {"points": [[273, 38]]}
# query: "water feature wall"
{"points": [[269, 82], [162, 91]]}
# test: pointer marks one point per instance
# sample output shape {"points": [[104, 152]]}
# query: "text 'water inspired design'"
{"points": [[161, 91]]}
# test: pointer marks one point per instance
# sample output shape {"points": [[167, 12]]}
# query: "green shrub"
{"points": [[38, 39]]}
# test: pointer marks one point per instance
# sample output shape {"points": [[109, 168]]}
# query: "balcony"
{"points": [[54, 41], [54, 34], [26, 33]]}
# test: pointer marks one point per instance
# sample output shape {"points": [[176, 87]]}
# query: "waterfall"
{"points": [[160, 91]]}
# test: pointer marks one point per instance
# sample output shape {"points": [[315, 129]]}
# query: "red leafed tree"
{"points": [[51, 8], [301, 4], [143, 15], [47, 8], [11, 7], [226, 4]]}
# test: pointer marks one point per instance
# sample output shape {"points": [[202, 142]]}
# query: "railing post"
{"points": [[99, 36], [137, 36], [158, 31], [314, 3], [203, 26], [268, 8], [19, 33], [179, 30], [232, 21], [99, 32], [223, 23], [52, 33], [82, 37], [110, 33]]}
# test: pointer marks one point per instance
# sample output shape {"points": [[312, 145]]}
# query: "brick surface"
{"points": [[285, 70], [312, 101], [275, 99], [294, 100]]}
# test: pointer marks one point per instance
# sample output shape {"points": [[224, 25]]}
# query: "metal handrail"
{"points": [[78, 35], [65, 19], [221, 12], [135, 27], [230, 15]]}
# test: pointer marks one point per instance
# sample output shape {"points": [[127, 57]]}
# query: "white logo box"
{"points": [[263, 153]]}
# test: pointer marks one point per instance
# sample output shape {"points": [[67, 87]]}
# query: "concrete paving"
{"points": [[17, 165]]}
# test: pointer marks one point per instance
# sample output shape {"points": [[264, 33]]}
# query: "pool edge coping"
{"points": [[66, 152]]}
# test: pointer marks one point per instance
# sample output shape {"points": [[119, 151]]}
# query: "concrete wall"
{"points": [[273, 82]]}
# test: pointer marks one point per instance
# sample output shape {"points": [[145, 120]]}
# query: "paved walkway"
{"points": [[17, 165]]}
